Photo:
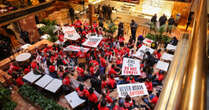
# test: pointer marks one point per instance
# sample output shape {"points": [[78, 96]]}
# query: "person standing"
{"points": [[109, 11], [171, 22], [189, 20], [72, 14], [133, 26], [162, 20], [154, 19], [120, 29]]}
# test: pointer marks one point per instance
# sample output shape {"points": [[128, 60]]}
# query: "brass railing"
{"points": [[185, 85]]}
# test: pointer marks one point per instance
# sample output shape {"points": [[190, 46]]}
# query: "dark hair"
{"points": [[91, 90], [103, 103], [81, 87], [128, 98]]}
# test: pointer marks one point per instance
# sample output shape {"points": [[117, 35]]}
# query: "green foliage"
{"points": [[111, 27], [5, 99], [37, 98], [151, 36], [49, 29]]}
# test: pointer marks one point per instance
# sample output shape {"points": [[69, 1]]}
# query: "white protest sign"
{"points": [[76, 48], [70, 33], [142, 50], [92, 41], [131, 66], [133, 90]]}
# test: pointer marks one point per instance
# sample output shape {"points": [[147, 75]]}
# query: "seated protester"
{"points": [[160, 77], [154, 45], [96, 83], [104, 81], [148, 84], [128, 104], [119, 62], [102, 105], [112, 70], [121, 40], [34, 64], [92, 99], [140, 38], [107, 98], [80, 71], [138, 44], [61, 38], [13, 67], [120, 106], [92, 70], [146, 100], [158, 54], [27, 70], [66, 81], [126, 50], [130, 79], [60, 72], [19, 81], [82, 93], [111, 82], [155, 99], [131, 43], [174, 41], [103, 64]]}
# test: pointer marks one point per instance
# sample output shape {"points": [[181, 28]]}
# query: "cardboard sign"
{"points": [[92, 41], [142, 50], [76, 48], [133, 90], [131, 67], [70, 33]]}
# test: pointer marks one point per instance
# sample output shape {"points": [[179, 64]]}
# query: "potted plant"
{"points": [[49, 28], [111, 29]]}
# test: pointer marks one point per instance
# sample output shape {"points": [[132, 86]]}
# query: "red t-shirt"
{"points": [[116, 107], [51, 68], [112, 71], [160, 77], [92, 71], [34, 64], [111, 82], [92, 97], [119, 61], [104, 84], [19, 81], [128, 104], [66, 81], [102, 108], [95, 63], [108, 99], [154, 100], [83, 93], [103, 62], [121, 39], [80, 71], [26, 70], [148, 85], [61, 38]]}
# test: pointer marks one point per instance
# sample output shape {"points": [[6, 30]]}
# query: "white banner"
{"points": [[70, 33], [133, 90], [131, 67], [76, 48], [92, 41], [142, 50]]}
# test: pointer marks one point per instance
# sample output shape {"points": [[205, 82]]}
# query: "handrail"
{"points": [[194, 91], [188, 91]]}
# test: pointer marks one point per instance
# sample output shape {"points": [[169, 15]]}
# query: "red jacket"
{"points": [[111, 82], [128, 104], [80, 71], [116, 107], [51, 68], [83, 93]]}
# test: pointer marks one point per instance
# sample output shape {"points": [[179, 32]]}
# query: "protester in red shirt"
{"points": [[66, 81], [128, 102], [61, 38], [92, 98], [111, 82], [82, 92], [155, 99], [80, 71], [112, 70], [149, 85], [27, 70], [13, 67], [130, 79], [158, 54], [34, 64], [102, 106], [107, 98], [19, 81], [51, 68]]}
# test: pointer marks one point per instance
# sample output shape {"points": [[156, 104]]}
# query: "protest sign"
{"points": [[131, 66], [133, 90], [92, 42], [142, 50], [70, 33], [76, 48]]}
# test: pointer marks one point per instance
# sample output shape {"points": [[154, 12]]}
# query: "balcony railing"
{"points": [[17, 14], [185, 87]]}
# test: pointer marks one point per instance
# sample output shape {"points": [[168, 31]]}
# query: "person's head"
{"points": [[158, 94], [113, 66], [111, 76], [132, 21], [91, 90], [131, 77], [103, 103], [148, 53], [155, 14], [158, 51], [128, 98], [81, 87]]}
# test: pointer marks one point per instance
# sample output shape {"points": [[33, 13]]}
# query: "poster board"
{"points": [[76, 48], [131, 66], [70, 33], [133, 90], [142, 50], [92, 42]]}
